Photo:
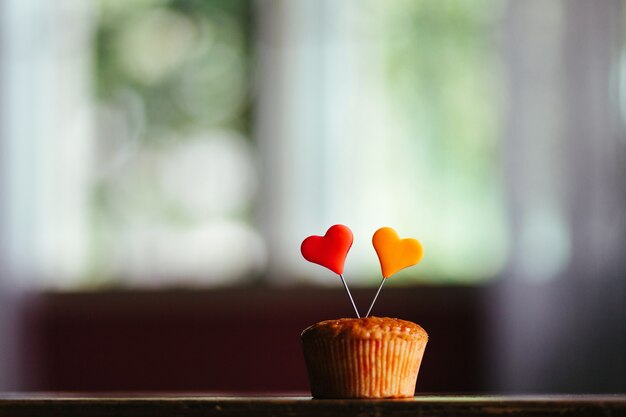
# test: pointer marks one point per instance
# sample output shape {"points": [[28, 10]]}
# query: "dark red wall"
{"points": [[244, 340]]}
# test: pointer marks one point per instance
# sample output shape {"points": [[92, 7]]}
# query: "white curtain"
{"points": [[560, 313], [44, 141], [46, 138]]}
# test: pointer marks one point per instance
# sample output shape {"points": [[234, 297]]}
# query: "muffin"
{"points": [[373, 357]]}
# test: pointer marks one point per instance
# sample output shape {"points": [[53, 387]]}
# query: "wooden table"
{"points": [[68, 405]]}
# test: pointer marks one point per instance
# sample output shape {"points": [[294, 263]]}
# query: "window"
{"points": [[188, 142], [386, 113], [175, 162]]}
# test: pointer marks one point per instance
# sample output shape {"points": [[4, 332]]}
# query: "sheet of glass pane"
{"points": [[391, 116]]}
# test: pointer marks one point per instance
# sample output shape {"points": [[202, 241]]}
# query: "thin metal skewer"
{"points": [[349, 295], [375, 297]]}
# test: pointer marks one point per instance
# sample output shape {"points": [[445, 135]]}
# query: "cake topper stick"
{"points": [[350, 296], [394, 254], [380, 287], [330, 251]]}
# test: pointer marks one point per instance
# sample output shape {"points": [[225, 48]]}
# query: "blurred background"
{"points": [[162, 160]]}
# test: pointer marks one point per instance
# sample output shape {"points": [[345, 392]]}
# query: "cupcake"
{"points": [[373, 357]]}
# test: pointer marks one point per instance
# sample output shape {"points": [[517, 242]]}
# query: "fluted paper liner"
{"points": [[363, 363]]}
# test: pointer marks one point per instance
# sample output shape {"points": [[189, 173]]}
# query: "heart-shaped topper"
{"points": [[330, 250], [395, 253]]}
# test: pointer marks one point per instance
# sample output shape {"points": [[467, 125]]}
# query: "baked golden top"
{"points": [[366, 328]]}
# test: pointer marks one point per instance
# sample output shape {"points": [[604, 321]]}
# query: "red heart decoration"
{"points": [[329, 250]]}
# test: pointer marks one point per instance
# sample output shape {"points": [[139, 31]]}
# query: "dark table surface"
{"points": [[84, 404]]}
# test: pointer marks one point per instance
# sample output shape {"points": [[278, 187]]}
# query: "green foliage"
{"points": [[185, 61]]}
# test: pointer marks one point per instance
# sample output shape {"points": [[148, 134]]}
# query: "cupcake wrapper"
{"points": [[363, 368]]}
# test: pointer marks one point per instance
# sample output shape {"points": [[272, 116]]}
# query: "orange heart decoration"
{"points": [[395, 253]]}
